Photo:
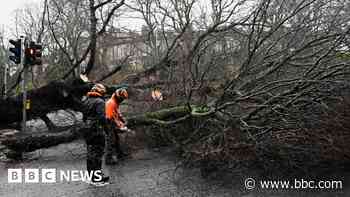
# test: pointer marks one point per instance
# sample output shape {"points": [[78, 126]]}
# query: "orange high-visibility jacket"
{"points": [[112, 112]]}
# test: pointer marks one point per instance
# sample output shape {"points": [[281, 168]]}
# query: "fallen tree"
{"points": [[30, 142], [54, 96], [20, 142], [290, 73]]}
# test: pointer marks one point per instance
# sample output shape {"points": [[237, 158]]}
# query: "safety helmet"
{"points": [[121, 93], [99, 88]]}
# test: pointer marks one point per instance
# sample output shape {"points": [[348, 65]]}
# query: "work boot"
{"points": [[100, 183], [105, 178], [111, 160]]}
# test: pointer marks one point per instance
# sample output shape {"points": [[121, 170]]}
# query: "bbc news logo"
{"points": [[50, 175]]}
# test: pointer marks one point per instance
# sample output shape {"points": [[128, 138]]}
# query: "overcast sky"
{"points": [[7, 11]]}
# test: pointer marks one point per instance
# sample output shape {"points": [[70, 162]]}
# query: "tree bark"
{"points": [[19, 142], [52, 97], [31, 142], [93, 37]]}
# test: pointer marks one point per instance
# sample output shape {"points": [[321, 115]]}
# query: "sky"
{"points": [[7, 12]]}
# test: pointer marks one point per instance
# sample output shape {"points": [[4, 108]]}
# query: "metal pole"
{"points": [[5, 81], [24, 89], [24, 111]]}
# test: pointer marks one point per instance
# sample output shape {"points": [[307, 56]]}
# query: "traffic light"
{"points": [[16, 50], [33, 54]]}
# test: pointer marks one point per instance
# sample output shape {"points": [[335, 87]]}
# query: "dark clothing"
{"points": [[112, 141], [94, 107], [95, 142], [94, 116]]}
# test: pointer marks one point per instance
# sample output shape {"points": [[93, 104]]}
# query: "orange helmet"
{"points": [[99, 88], [121, 93]]}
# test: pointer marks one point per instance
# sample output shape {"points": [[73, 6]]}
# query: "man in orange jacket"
{"points": [[116, 124]]}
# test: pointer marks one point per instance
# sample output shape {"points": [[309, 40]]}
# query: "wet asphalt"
{"points": [[149, 172]]}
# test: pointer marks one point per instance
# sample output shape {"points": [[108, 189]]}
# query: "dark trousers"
{"points": [[95, 142], [112, 140]]}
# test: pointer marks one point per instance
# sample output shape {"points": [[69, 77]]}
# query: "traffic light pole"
{"points": [[24, 89], [24, 102], [31, 55], [5, 80]]}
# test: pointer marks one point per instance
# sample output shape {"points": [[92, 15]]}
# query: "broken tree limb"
{"points": [[29, 142], [159, 117], [52, 97], [50, 125]]}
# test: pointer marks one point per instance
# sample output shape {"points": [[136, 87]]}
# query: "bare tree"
{"points": [[284, 56], [267, 71]]}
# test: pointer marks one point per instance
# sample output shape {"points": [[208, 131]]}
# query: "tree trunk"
{"points": [[93, 37], [19, 142], [32, 142], [52, 97]]}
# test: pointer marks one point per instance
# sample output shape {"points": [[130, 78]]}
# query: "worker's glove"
{"points": [[127, 130], [124, 129]]}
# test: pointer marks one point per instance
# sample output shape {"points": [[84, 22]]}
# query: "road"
{"points": [[149, 173]]}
